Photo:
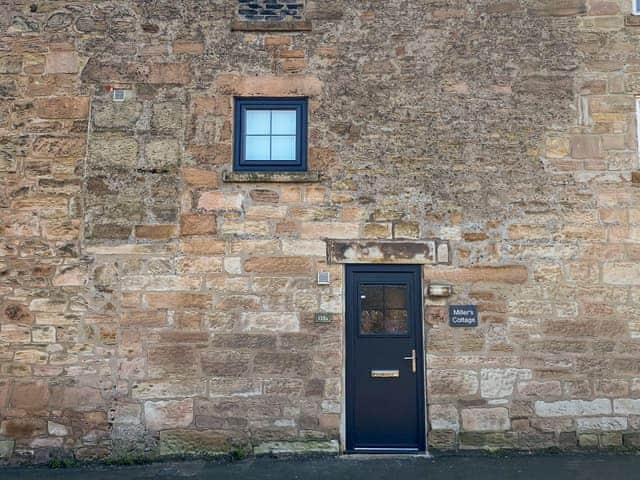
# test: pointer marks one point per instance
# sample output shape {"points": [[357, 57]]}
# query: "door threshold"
{"points": [[384, 455]]}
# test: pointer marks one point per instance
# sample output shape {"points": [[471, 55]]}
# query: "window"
{"points": [[270, 134], [636, 7]]}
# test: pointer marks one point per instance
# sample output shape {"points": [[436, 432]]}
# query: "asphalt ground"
{"points": [[474, 467]]}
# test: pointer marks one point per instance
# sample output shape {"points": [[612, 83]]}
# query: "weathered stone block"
{"points": [[265, 322], [279, 265], [197, 225], [452, 382], [485, 419], [162, 154], [168, 414], [115, 115], [573, 408], [499, 382], [106, 152], [62, 107]]}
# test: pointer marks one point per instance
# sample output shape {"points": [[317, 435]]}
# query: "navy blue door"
{"points": [[384, 362]]}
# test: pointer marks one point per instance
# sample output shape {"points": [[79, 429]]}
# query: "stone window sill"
{"points": [[266, 26], [312, 176], [632, 20]]}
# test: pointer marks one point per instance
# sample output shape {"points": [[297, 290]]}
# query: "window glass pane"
{"points": [[258, 122], [372, 321], [395, 297], [384, 310], [283, 122], [395, 321], [283, 148], [371, 297], [257, 148]]}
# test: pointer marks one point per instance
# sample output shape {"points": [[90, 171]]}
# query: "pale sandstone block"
{"points": [[485, 419], [573, 408], [166, 414]]}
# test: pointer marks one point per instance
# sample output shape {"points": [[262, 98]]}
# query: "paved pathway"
{"points": [[545, 467]]}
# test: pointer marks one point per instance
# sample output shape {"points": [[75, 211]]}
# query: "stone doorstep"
{"points": [[387, 251]]}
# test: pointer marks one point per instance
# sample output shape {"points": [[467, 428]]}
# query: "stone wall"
{"points": [[152, 305]]}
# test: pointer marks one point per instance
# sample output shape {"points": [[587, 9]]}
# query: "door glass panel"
{"points": [[383, 310]]}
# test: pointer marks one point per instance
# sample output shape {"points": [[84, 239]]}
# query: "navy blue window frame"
{"points": [[241, 105]]}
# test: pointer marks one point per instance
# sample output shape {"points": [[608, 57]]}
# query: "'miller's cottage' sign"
{"points": [[463, 316]]}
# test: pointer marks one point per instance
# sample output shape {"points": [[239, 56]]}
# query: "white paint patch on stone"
{"points": [[573, 408], [500, 382], [601, 424], [626, 406]]}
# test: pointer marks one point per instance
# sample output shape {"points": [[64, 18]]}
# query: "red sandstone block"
{"points": [[155, 232], [279, 265], [62, 107], [188, 47], [197, 225], [499, 274], [177, 300]]}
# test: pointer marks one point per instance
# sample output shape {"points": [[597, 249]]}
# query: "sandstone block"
{"points": [[78, 398], [112, 152], [166, 414], [270, 86], [601, 424], [485, 419], [155, 232], [444, 417], [620, 273], [62, 107], [200, 178], [194, 442], [115, 115], [57, 147], [167, 116], [148, 390], [500, 274], [626, 406], [6, 448], [265, 322], [222, 387], [282, 363], [225, 364], [171, 359], [452, 382], [499, 382], [61, 62], [279, 265], [220, 201], [197, 225], [161, 154], [23, 428], [573, 408], [57, 429], [30, 395]]}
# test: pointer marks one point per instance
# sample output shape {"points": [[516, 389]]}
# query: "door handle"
{"points": [[413, 360]]}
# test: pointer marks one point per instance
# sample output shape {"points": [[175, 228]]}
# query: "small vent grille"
{"points": [[119, 95]]}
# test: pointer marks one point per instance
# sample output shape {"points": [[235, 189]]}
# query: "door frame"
{"points": [[350, 311]]}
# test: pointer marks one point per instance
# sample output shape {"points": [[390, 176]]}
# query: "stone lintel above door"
{"points": [[427, 252]]}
